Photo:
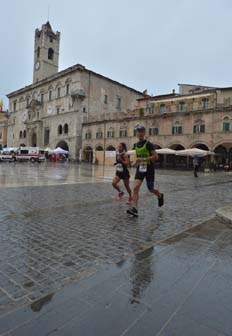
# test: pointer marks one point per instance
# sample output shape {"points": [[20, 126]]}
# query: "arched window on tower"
{"points": [[38, 52], [50, 53]]}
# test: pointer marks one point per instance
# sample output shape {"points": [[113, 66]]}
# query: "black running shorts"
{"points": [[125, 175], [149, 175]]}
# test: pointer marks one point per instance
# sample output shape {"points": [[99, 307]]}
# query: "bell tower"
{"points": [[46, 52]]}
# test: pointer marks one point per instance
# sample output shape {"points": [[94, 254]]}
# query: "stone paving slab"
{"points": [[54, 235], [225, 214], [178, 287]]}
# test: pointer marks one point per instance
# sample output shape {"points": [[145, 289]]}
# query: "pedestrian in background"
{"points": [[195, 166]]}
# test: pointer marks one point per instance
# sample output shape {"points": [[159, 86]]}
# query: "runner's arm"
{"points": [[154, 157], [126, 160]]}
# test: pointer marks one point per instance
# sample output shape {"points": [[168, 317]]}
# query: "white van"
{"points": [[33, 154], [8, 154]]}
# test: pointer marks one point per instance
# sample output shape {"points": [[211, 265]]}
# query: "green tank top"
{"points": [[143, 152]]}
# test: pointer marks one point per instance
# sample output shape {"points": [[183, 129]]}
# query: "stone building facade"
{"points": [[3, 128], [51, 111], [196, 117]]}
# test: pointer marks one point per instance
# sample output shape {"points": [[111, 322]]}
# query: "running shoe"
{"points": [[132, 211], [161, 200], [130, 201], [120, 195]]}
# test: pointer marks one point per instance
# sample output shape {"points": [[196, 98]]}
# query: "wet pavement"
{"points": [[73, 263]]}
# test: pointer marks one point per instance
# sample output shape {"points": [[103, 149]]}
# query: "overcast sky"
{"points": [[146, 44]]}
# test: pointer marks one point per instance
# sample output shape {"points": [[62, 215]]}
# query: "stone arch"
{"points": [[58, 84], [88, 154], [99, 148], [50, 87], [223, 153], [201, 146], [176, 146], [63, 144], [111, 148], [226, 144], [68, 80]]}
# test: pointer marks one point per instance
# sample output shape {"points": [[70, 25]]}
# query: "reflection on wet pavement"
{"points": [[60, 224]]}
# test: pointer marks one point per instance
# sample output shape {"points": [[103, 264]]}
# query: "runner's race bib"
{"points": [[119, 168], [143, 167]]}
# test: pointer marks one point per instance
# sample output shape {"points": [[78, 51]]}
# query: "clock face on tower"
{"points": [[37, 65]]}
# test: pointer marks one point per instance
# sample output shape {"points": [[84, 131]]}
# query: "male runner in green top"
{"points": [[146, 155]]}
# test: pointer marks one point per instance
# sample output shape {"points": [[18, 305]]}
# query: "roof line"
{"points": [[65, 72]]}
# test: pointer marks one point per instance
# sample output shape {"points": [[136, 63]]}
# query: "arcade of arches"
{"points": [[223, 155]]}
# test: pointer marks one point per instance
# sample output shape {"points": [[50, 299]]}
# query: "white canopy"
{"points": [[159, 151], [59, 150], [194, 152], [166, 151]]}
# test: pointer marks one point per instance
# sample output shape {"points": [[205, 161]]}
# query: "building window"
{"points": [[24, 133], [66, 128], [84, 109], [20, 134], [27, 102], [46, 136], [110, 134], [199, 128], [50, 95], [105, 99], [118, 103], [0, 134], [42, 98], [177, 130], [60, 130], [226, 126], [205, 102], [38, 52], [182, 107], [99, 135], [58, 92], [123, 133], [57, 110], [135, 132], [67, 89], [88, 135], [14, 106], [162, 108], [154, 131], [51, 39], [50, 54]]}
